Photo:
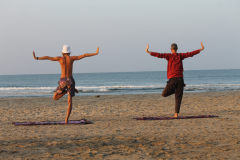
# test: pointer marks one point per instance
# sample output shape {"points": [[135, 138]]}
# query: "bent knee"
{"points": [[164, 95], [55, 97]]}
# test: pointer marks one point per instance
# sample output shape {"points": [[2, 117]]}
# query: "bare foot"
{"points": [[176, 115], [76, 90], [66, 121]]}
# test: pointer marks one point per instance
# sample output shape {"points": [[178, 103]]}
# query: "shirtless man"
{"points": [[66, 83]]}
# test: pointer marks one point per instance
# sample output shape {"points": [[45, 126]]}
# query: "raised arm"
{"points": [[158, 55], [85, 55], [147, 49], [202, 47], [46, 58], [191, 54]]}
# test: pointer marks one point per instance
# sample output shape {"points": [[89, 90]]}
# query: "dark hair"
{"points": [[65, 54], [174, 46]]}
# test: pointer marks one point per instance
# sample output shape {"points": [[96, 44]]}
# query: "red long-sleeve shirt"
{"points": [[175, 66]]}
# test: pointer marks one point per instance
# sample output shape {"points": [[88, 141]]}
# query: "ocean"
{"points": [[118, 83]]}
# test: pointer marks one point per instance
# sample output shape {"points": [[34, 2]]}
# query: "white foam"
{"points": [[213, 85], [117, 87], [26, 88]]}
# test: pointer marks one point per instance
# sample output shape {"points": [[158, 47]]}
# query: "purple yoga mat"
{"points": [[179, 117], [82, 121]]}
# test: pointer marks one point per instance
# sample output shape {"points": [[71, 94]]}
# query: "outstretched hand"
{"points": [[202, 47], [86, 55], [147, 49], [34, 55], [97, 50]]}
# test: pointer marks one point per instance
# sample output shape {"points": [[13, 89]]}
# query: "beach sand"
{"points": [[114, 133]]}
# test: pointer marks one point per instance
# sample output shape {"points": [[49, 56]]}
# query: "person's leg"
{"points": [[57, 96], [76, 90], [178, 95], [69, 110], [71, 93], [60, 90], [170, 88]]}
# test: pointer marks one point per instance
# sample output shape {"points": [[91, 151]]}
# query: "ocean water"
{"points": [[118, 83]]}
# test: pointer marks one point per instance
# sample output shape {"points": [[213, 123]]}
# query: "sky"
{"points": [[122, 29]]}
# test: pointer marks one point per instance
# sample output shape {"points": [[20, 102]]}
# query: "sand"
{"points": [[115, 135]]}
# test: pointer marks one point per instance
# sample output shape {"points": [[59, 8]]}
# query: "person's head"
{"points": [[66, 54], [66, 50], [174, 48]]}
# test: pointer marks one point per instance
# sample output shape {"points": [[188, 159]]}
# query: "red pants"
{"points": [[175, 85]]}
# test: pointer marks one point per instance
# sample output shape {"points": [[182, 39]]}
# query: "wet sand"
{"points": [[115, 135]]}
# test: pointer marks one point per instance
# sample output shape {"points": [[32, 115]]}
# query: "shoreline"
{"points": [[102, 94], [115, 135]]}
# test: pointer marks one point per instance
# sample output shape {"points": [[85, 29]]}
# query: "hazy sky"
{"points": [[122, 29]]}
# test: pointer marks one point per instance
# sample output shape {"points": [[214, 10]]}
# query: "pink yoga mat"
{"points": [[82, 121], [179, 117]]}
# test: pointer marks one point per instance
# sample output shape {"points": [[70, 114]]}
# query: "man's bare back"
{"points": [[66, 61]]}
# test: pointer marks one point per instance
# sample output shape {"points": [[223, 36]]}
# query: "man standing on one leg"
{"points": [[66, 83], [175, 73]]}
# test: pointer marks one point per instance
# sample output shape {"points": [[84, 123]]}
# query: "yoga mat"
{"points": [[82, 121], [179, 117]]}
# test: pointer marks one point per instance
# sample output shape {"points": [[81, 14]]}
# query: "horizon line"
{"points": [[112, 72]]}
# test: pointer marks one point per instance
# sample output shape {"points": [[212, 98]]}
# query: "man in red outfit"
{"points": [[175, 83]]}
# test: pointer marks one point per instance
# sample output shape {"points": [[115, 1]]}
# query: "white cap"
{"points": [[66, 49]]}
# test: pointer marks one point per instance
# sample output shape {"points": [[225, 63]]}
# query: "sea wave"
{"points": [[25, 93], [79, 87], [119, 87], [112, 90], [209, 85], [25, 88]]}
